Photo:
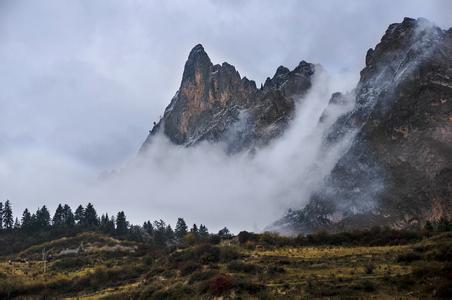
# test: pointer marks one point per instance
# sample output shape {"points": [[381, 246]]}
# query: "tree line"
{"points": [[64, 220]]}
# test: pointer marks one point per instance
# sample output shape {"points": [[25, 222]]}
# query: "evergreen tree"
{"points": [[121, 223], [42, 218], [33, 222], [134, 233], [1, 215], [58, 217], [79, 215], [169, 233], [147, 226], [107, 225], [181, 229], [112, 224], [203, 232], [8, 220], [68, 216], [90, 216], [26, 220], [195, 230], [160, 233]]}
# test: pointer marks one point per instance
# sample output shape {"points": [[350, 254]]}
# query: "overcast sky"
{"points": [[82, 81]]}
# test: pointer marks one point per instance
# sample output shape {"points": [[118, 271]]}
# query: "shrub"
{"points": [[220, 284], [70, 263], [189, 267], [408, 257], [275, 270], [208, 254], [441, 253], [202, 275], [245, 236], [229, 253], [147, 292], [177, 291], [238, 266], [214, 239], [250, 287]]}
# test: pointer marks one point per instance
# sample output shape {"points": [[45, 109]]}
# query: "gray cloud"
{"points": [[82, 81]]}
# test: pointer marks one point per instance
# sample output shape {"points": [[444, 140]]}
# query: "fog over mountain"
{"points": [[83, 82]]}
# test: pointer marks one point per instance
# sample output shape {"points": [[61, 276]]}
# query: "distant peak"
{"points": [[197, 60], [197, 50], [281, 71]]}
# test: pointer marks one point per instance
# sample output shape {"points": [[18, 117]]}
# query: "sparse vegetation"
{"points": [[155, 262]]}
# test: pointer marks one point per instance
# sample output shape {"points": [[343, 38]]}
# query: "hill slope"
{"points": [[250, 266]]}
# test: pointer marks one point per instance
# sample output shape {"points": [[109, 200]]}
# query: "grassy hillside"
{"points": [[92, 266]]}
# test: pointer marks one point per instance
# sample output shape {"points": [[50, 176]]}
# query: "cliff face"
{"points": [[214, 103], [398, 170]]}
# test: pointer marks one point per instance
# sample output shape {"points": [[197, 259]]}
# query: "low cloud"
{"points": [[205, 185]]}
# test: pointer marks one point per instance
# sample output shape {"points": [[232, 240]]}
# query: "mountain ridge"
{"points": [[211, 98]]}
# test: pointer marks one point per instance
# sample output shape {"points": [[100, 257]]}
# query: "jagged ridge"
{"points": [[213, 99]]}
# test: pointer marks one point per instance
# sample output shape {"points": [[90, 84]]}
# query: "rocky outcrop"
{"points": [[214, 103], [399, 168]]}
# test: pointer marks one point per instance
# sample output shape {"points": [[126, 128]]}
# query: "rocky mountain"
{"points": [[397, 171], [402, 153], [214, 103]]}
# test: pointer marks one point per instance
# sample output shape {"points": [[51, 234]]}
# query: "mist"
{"points": [[82, 82], [206, 185]]}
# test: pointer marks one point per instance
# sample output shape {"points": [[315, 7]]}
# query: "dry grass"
{"points": [[286, 272]]}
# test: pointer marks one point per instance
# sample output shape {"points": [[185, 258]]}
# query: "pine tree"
{"points": [[26, 220], [169, 233], [104, 221], [34, 222], [160, 233], [121, 223], [195, 230], [8, 220], [68, 216], [79, 215], [58, 217], [1, 215], [134, 233], [147, 226], [90, 216], [43, 218], [112, 224], [181, 229], [203, 232]]}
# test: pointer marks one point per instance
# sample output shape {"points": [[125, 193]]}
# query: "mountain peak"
{"points": [[197, 50], [198, 62], [212, 98]]}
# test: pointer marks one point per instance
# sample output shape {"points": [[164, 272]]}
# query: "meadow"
{"points": [[95, 266]]}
